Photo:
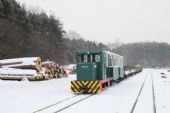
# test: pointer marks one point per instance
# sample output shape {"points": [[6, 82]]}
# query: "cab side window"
{"points": [[83, 58], [97, 58], [110, 60]]}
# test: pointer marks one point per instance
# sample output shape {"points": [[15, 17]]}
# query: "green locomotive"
{"points": [[95, 70]]}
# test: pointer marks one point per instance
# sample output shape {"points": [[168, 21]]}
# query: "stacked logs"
{"points": [[30, 68], [53, 70], [132, 69]]}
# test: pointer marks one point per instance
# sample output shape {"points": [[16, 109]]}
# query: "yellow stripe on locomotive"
{"points": [[89, 87]]}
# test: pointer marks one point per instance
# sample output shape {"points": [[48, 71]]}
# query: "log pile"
{"points": [[132, 69], [30, 68], [53, 70], [71, 68]]}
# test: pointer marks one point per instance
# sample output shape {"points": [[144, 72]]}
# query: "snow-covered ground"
{"points": [[162, 90], [28, 97]]}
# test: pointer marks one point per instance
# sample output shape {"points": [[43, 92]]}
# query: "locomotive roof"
{"points": [[96, 52]]}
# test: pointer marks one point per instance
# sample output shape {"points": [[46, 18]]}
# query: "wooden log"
{"points": [[22, 63], [21, 75], [10, 63], [27, 67], [15, 77]]}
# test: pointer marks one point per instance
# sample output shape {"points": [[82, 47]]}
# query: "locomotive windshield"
{"points": [[89, 58]]}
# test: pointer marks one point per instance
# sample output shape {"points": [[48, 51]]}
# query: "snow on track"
{"points": [[54, 104], [145, 101], [65, 104], [28, 97]]}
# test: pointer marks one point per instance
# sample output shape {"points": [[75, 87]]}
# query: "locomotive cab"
{"points": [[87, 65]]}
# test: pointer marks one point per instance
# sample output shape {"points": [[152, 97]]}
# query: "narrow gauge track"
{"points": [[64, 101], [72, 104], [54, 104], [153, 94]]}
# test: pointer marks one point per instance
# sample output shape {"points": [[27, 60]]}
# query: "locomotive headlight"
{"points": [[95, 66]]}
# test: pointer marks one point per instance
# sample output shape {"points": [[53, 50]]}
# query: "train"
{"points": [[97, 70]]}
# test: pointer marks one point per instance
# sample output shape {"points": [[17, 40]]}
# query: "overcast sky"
{"points": [[107, 20]]}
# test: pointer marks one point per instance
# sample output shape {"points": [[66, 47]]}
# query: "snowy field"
{"points": [[53, 95]]}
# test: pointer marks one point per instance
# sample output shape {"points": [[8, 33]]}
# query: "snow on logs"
{"points": [[31, 68], [22, 63]]}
